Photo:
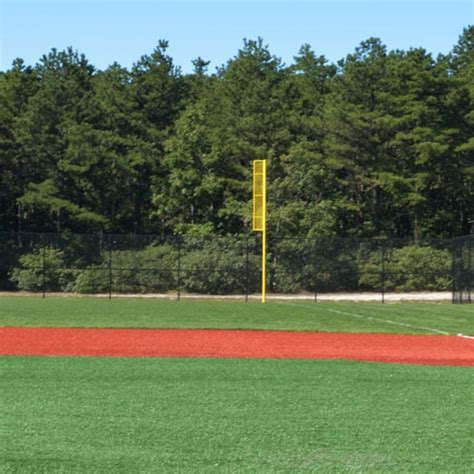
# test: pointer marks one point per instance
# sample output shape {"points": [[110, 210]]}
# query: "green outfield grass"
{"points": [[198, 415], [209, 415], [407, 318]]}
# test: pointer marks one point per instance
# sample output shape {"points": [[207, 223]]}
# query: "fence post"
{"points": [[382, 275], [315, 270], [247, 273], [179, 269], [469, 270], [453, 272], [43, 273], [110, 267]]}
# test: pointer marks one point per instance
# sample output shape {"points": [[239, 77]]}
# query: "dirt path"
{"points": [[429, 350]]}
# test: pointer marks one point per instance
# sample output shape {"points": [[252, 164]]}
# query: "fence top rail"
{"points": [[275, 238]]}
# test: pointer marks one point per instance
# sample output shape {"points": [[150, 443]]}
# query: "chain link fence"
{"points": [[463, 269], [215, 265]]}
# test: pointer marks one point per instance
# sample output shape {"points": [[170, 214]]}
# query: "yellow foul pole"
{"points": [[259, 221], [264, 235]]}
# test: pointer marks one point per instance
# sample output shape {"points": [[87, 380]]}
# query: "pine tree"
{"points": [[17, 86]]}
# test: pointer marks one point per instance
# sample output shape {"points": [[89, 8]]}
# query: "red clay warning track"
{"points": [[430, 350]]}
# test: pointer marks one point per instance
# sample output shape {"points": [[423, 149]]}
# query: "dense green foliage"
{"points": [[380, 144], [413, 318], [44, 268], [195, 415], [410, 268], [228, 265], [151, 269]]}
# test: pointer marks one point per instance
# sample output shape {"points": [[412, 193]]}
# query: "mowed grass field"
{"points": [[84, 414], [196, 415], [398, 318]]}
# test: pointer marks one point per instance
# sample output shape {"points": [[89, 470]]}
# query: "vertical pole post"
{"points": [[259, 215], [453, 273], [247, 270], [383, 273], [264, 234], [179, 270], [460, 273], [264, 265], [469, 270], [43, 273], [110, 267], [315, 271]]}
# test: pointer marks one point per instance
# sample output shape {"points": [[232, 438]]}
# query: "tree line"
{"points": [[380, 144]]}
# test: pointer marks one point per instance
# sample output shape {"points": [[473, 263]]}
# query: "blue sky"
{"points": [[122, 30]]}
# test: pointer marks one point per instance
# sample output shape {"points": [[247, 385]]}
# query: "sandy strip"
{"points": [[422, 296]]}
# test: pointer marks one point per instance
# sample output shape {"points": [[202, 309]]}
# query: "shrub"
{"points": [[289, 266], [44, 268], [218, 267], [336, 266], [133, 271], [208, 266], [93, 279], [410, 268]]}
